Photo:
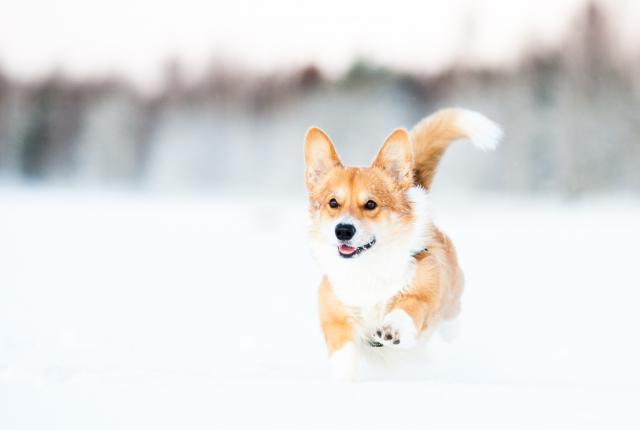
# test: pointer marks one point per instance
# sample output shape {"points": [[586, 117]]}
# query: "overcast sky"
{"points": [[135, 38]]}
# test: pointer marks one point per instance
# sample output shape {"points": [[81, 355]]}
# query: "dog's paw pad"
{"points": [[398, 330], [386, 335]]}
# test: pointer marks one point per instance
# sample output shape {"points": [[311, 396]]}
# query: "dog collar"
{"points": [[419, 254]]}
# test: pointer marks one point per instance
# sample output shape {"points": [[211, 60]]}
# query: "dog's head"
{"points": [[360, 211]]}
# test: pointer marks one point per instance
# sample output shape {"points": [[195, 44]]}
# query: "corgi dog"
{"points": [[390, 275]]}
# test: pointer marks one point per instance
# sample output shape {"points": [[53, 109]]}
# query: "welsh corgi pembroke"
{"points": [[390, 275]]}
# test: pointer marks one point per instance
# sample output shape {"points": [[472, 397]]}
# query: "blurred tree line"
{"points": [[571, 117]]}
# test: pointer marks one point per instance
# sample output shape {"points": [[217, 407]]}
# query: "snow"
{"points": [[127, 310]]}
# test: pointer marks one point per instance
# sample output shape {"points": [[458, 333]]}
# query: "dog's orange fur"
{"points": [[431, 138], [406, 159]]}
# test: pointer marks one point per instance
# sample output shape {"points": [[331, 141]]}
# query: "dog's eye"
{"points": [[370, 205], [333, 203]]}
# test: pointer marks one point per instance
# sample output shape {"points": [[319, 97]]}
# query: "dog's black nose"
{"points": [[345, 231]]}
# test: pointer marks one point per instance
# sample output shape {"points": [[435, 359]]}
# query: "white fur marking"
{"points": [[401, 322], [344, 363], [422, 214], [480, 130]]}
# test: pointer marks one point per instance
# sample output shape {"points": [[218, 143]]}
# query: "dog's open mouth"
{"points": [[347, 251]]}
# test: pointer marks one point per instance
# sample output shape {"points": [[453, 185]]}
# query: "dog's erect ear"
{"points": [[319, 156], [396, 157]]}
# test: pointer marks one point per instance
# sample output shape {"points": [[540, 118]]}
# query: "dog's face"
{"points": [[356, 211]]}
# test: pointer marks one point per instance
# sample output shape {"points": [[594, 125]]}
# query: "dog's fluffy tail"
{"points": [[432, 136]]}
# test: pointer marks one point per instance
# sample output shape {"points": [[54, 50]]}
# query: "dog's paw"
{"points": [[398, 330], [344, 364]]}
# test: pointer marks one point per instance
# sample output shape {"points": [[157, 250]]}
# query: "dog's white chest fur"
{"points": [[373, 279], [368, 287]]}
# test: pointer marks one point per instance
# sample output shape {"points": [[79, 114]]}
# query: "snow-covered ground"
{"points": [[120, 310]]}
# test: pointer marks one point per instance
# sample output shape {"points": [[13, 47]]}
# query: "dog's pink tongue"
{"points": [[344, 249]]}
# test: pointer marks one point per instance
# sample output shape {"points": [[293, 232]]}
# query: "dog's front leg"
{"points": [[403, 323], [344, 363], [338, 332]]}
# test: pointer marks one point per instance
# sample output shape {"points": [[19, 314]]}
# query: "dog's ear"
{"points": [[319, 156], [396, 157]]}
